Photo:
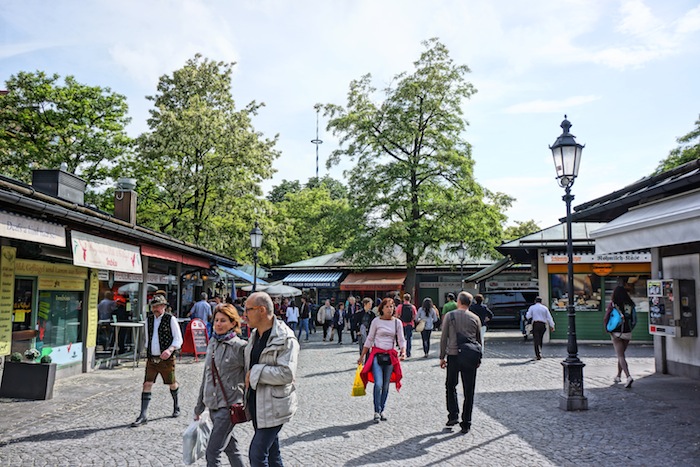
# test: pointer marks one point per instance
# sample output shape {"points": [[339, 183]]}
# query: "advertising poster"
{"points": [[91, 338]]}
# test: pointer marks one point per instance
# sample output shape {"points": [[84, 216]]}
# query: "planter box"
{"points": [[23, 380]]}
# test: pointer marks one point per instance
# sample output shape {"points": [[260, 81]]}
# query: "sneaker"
{"points": [[452, 422], [617, 379], [377, 417], [629, 382], [382, 417]]}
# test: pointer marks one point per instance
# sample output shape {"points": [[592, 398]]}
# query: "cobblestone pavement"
{"points": [[516, 417]]}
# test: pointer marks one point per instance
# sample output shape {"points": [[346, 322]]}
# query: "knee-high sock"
{"points": [[174, 393], [145, 400]]}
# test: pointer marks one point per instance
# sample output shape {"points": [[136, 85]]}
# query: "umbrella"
{"points": [[133, 287], [281, 289]]}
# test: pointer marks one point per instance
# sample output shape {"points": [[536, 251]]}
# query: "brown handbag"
{"points": [[237, 412]]}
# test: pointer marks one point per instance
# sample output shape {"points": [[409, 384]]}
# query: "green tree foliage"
{"points": [[413, 182], [313, 222], [278, 192], [335, 187], [688, 150], [520, 229], [45, 123], [201, 165]]}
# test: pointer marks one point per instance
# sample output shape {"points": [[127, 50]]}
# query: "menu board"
{"points": [[7, 291], [91, 337]]}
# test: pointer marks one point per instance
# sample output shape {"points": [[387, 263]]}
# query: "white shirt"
{"points": [[155, 343], [292, 314], [539, 312]]}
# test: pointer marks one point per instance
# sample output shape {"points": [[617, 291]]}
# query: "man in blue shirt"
{"points": [[201, 309]]}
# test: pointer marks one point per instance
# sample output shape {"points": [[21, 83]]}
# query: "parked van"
{"points": [[507, 304]]}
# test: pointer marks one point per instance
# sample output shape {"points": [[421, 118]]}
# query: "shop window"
{"points": [[59, 319], [593, 293], [22, 307]]}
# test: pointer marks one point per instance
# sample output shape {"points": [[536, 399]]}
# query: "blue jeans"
{"points": [[304, 326], [292, 325], [408, 333], [382, 378], [265, 448]]}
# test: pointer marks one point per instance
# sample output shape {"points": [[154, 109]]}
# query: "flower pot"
{"points": [[24, 380]]}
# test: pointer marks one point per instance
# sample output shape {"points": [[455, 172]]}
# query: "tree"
{"points": [[520, 229], [45, 124], [312, 222], [335, 187], [688, 150], [202, 162], [278, 192], [413, 182]]}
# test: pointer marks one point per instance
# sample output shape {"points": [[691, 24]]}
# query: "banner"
{"points": [[100, 253], [7, 292], [93, 296]]}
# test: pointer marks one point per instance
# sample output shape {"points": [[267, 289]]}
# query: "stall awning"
{"points": [[155, 252], [241, 275], [313, 279], [671, 221], [376, 280], [490, 271]]}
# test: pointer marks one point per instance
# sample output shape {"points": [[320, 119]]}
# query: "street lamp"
{"points": [[567, 157], [461, 254], [256, 237]]}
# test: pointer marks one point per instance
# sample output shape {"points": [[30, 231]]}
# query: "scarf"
{"points": [[223, 337]]}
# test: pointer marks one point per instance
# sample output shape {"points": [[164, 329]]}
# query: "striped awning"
{"points": [[313, 279]]}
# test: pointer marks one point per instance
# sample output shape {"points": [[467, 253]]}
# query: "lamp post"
{"points": [[256, 237], [461, 254], [567, 157]]}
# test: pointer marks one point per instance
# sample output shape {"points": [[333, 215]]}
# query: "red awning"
{"points": [[155, 252], [376, 280]]}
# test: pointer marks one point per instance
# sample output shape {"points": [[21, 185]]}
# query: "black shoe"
{"points": [[176, 412], [139, 421], [452, 422], [464, 430]]}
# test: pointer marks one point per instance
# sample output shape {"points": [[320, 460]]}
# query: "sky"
{"points": [[625, 73]]}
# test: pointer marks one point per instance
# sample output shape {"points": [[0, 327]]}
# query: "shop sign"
{"points": [[439, 285], [60, 283], [100, 253], [602, 269], [31, 230], [152, 278], [561, 258], [28, 267], [511, 285], [91, 336]]}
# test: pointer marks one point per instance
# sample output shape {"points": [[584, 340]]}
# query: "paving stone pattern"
{"points": [[517, 420]]}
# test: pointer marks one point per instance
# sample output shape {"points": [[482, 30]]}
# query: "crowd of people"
{"points": [[259, 373]]}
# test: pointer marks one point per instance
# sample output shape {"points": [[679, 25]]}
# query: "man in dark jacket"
{"points": [[484, 314]]}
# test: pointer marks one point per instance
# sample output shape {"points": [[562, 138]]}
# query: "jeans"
{"points": [[425, 335], [265, 447], [408, 333], [382, 378], [454, 371], [222, 440], [340, 333], [303, 326], [292, 325]]}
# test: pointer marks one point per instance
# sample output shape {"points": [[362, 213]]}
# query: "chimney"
{"points": [[125, 200], [59, 184]]}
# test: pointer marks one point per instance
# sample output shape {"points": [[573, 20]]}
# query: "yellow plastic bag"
{"points": [[358, 389]]}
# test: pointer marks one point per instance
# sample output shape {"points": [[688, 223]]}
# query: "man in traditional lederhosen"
{"points": [[162, 338]]}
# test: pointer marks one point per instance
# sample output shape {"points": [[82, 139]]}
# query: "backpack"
{"points": [[406, 312]]}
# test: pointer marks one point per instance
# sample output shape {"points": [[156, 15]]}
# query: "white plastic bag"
{"points": [[195, 439]]}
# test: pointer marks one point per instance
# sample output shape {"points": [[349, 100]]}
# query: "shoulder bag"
{"points": [[421, 324], [469, 350], [383, 358], [615, 320], [237, 411]]}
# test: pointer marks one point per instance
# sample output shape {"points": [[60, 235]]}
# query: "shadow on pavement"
{"points": [[517, 363], [327, 373], [331, 432], [59, 435]]}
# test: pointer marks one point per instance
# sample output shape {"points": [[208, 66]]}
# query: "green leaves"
{"points": [[46, 123], [688, 150]]}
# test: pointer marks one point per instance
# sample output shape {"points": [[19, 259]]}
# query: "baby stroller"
{"points": [[525, 324]]}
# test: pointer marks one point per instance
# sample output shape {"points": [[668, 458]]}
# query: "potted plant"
{"points": [[28, 379]]}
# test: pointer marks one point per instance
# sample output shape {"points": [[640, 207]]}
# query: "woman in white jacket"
{"points": [[225, 350], [271, 360]]}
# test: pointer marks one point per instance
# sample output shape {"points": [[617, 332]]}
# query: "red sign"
{"points": [[196, 339]]}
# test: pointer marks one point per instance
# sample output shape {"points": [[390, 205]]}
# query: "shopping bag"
{"points": [[195, 439], [358, 388]]}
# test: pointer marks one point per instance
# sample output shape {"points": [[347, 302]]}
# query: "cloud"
{"points": [[544, 106]]}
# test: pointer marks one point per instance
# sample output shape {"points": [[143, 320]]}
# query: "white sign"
{"points": [[100, 253], [152, 278], [511, 284], [599, 258], [31, 230], [439, 285]]}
